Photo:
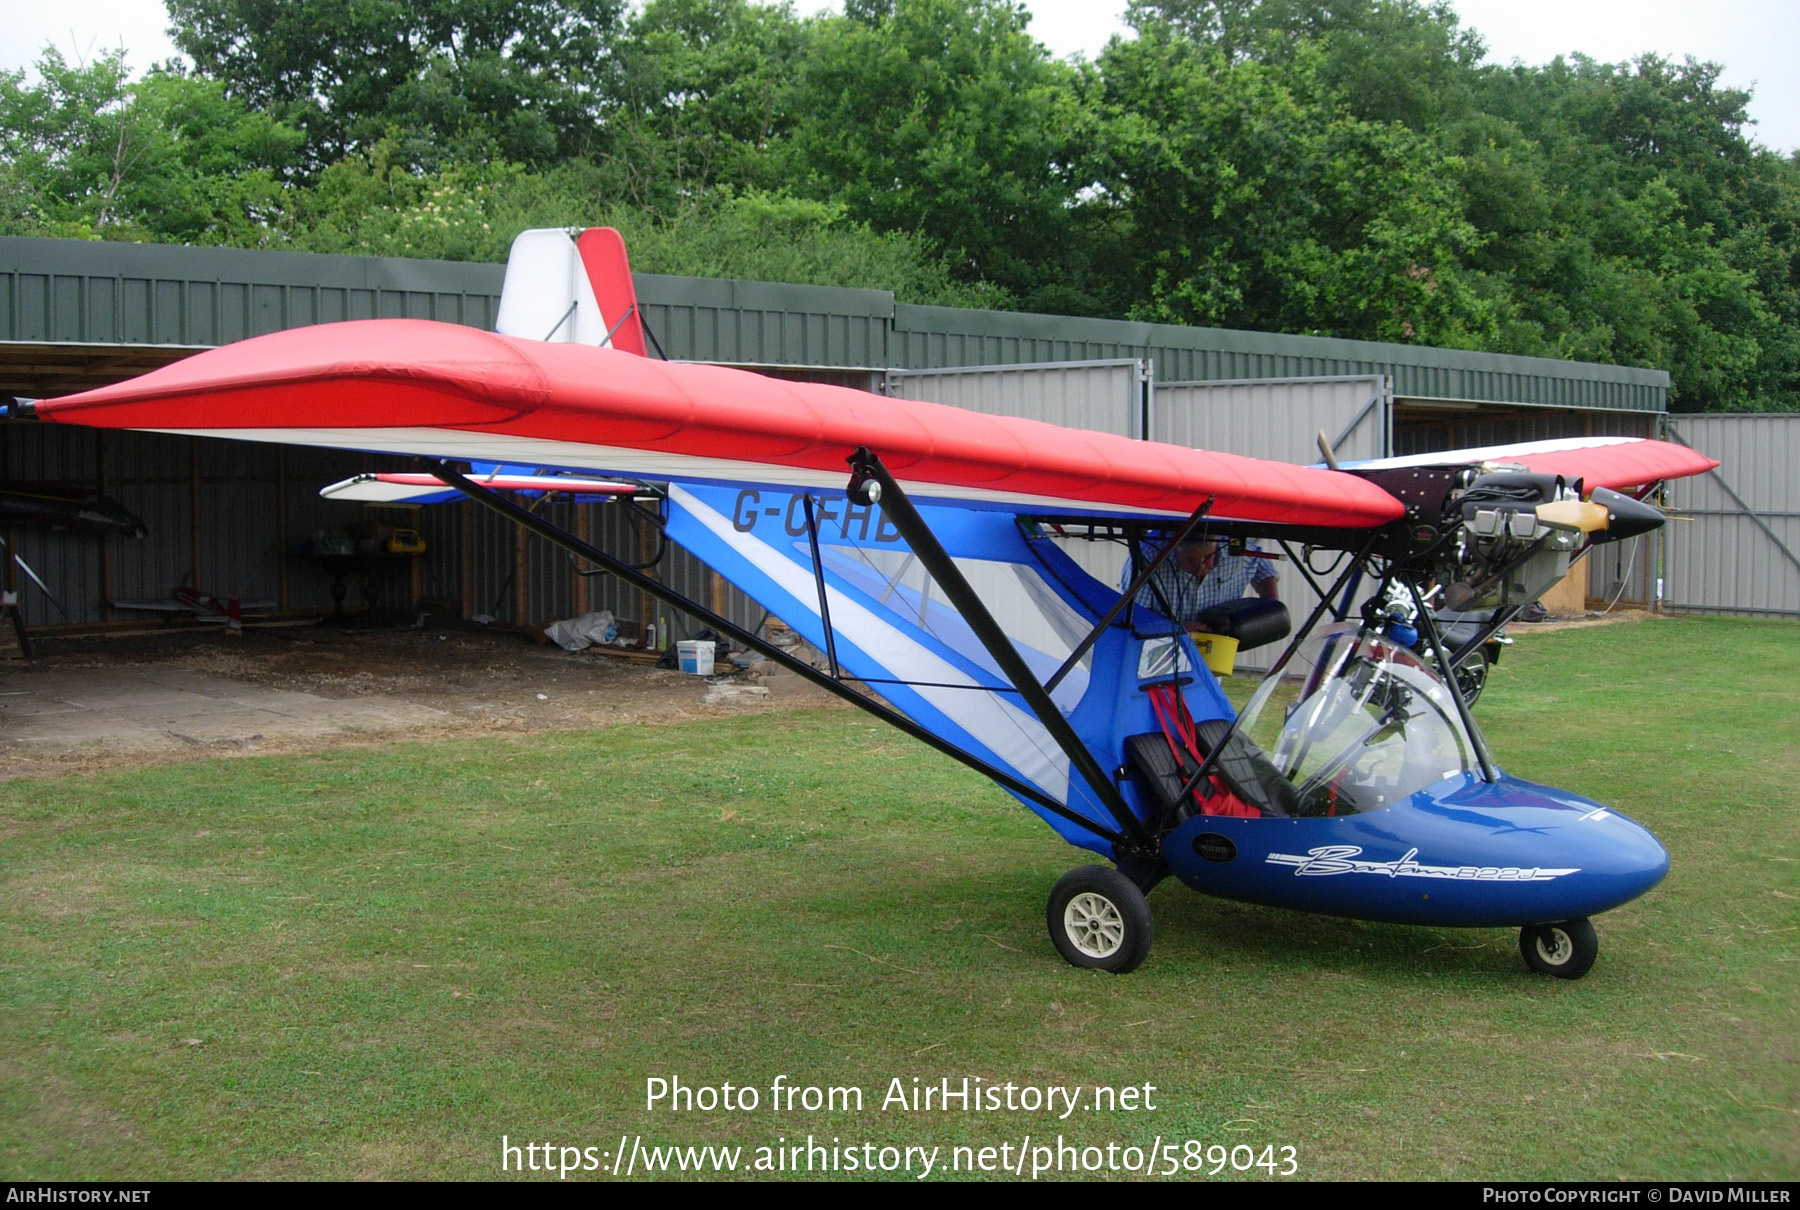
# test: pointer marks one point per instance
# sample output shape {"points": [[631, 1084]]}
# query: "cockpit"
{"points": [[1355, 723]]}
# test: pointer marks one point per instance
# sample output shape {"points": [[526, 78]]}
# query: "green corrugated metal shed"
{"points": [[939, 336], [76, 292]]}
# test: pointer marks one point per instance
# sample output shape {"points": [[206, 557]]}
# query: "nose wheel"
{"points": [[1564, 950], [1099, 920]]}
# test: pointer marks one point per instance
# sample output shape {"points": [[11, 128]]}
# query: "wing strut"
{"points": [[662, 592], [1428, 623], [1129, 595], [1218, 750], [818, 562], [867, 473]]}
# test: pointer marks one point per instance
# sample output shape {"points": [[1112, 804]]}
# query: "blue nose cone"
{"points": [[1621, 860], [1588, 858]]}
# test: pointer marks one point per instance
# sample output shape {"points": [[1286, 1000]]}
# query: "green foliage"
{"points": [[374, 206], [1388, 60], [443, 78], [1635, 223], [1255, 200], [943, 118], [759, 236], [84, 154], [703, 90]]}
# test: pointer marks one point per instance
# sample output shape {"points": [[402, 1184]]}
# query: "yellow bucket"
{"points": [[1219, 651]]}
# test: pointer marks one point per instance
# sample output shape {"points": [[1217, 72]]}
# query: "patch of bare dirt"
{"points": [[1582, 621], [470, 681]]}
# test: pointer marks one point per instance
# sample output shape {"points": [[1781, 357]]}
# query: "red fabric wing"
{"points": [[1622, 466], [397, 373]]}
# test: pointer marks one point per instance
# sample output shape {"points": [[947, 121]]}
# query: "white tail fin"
{"points": [[552, 276]]}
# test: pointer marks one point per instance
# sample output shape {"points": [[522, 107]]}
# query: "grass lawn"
{"points": [[376, 963]]}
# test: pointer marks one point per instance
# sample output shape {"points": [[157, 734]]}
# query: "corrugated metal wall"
{"points": [[1275, 418], [104, 293], [224, 515], [1103, 396], [1278, 419], [1739, 555], [948, 336], [80, 292], [766, 323]]}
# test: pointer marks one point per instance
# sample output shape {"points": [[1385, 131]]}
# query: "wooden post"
{"points": [[521, 577], [194, 511], [646, 604], [465, 526], [12, 541], [281, 533], [106, 610], [580, 594]]}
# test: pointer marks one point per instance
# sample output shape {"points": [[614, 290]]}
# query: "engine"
{"points": [[1491, 538]]}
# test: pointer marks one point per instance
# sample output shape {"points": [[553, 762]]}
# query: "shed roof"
{"points": [[119, 300]]}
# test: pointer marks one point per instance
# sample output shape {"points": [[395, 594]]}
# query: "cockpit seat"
{"points": [[1246, 771], [1250, 784]]}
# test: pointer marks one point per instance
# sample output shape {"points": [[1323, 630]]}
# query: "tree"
{"points": [[1636, 223], [946, 119], [1385, 60], [703, 90], [375, 206], [85, 154], [442, 79], [1254, 199]]}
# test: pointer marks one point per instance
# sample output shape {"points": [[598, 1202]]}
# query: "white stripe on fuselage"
{"points": [[1014, 736]]}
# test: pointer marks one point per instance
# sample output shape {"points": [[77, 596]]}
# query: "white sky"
{"points": [[1756, 40]]}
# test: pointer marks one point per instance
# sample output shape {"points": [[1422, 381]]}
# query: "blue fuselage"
{"points": [[1463, 853]]}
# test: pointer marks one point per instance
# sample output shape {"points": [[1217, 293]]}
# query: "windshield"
{"points": [[1356, 723]]}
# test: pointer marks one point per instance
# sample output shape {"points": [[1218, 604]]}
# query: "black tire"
{"points": [[1564, 950], [1100, 920], [1471, 676]]}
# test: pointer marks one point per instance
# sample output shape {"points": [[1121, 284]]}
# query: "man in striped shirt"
{"points": [[1200, 576]]}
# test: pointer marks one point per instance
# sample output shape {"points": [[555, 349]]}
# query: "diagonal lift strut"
{"points": [[867, 472], [662, 592]]}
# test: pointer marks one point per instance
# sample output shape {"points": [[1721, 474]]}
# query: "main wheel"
{"points": [[1100, 920], [1471, 676], [1565, 949]]}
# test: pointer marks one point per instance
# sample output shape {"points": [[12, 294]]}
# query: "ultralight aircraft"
{"points": [[934, 557]]}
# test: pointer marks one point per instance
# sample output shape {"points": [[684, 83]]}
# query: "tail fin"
{"points": [[570, 287], [609, 274]]}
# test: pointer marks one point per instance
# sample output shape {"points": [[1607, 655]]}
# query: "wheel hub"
{"points": [[1094, 925], [1555, 946]]}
